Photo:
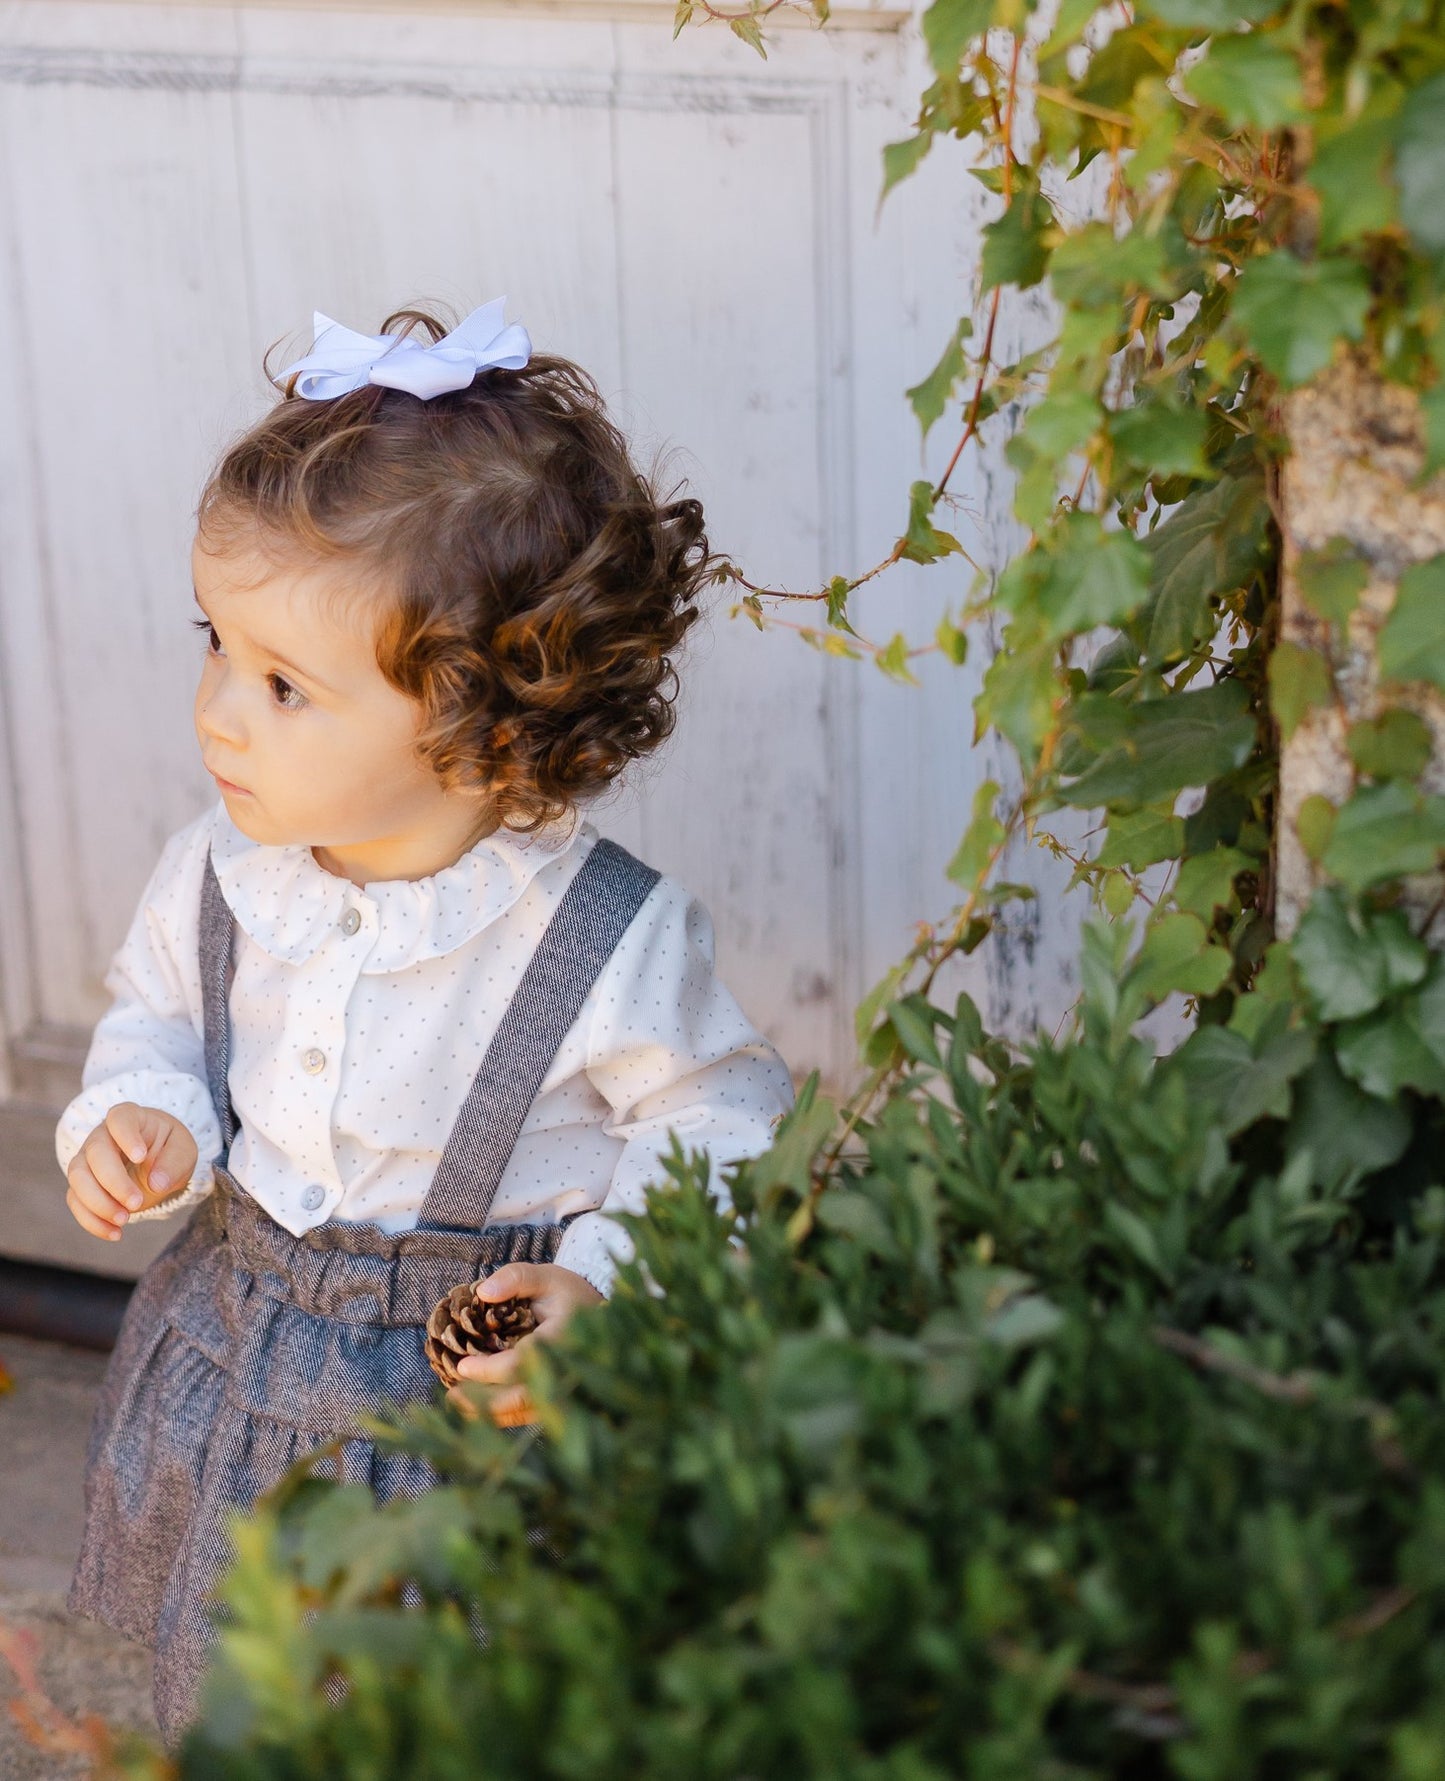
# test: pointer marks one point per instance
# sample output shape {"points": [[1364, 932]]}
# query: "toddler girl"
{"points": [[390, 1015]]}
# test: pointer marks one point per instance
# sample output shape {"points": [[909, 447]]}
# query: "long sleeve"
{"points": [[148, 1046], [671, 1051]]}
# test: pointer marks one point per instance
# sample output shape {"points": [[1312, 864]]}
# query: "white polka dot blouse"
{"points": [[359, 1017]]}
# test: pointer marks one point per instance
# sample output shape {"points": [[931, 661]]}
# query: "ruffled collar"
{"points": [[289, 905]]}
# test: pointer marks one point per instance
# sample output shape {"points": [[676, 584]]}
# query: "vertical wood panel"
{"points": [[716, 222], [128, 269]]}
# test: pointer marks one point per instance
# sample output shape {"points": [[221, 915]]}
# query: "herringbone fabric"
{"points": [[245, 1348]]}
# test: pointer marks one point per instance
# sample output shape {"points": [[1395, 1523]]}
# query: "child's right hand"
{"points": [[136, 1157]]}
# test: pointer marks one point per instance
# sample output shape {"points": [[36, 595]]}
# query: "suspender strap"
{"points": [[218, 928], [597, 910]]}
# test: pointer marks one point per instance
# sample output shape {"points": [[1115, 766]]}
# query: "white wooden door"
{"points": [[180, 186]]}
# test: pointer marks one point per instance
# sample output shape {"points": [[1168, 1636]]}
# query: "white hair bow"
{"points": [[341, 359]]}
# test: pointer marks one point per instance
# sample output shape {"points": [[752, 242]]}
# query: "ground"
{"points": [[84, 1668]]}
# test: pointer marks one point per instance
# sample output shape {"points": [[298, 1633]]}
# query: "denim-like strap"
{"points": [[594, 914], [218, 930]]}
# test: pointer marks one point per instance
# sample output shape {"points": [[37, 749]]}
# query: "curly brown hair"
{"points": [[536, 583]]}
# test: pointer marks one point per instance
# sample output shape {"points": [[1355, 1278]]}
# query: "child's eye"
{"points": [[288, 697]]}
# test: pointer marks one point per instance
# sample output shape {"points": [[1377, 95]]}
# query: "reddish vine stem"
{"points": [[970, 419]]}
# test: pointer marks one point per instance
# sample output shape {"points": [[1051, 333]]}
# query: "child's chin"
{"points": [[252, 822]]}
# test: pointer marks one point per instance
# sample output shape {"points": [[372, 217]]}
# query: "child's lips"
{"points": [[227, 785]]}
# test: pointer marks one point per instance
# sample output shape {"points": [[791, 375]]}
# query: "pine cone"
{"points": [[464, 1324]]}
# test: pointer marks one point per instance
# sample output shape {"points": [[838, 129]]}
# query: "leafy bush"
{"points": [[1064, 1412], [1050, 1439]]}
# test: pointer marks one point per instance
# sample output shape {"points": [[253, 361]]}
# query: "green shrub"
{"points": [[1054, 1438]]}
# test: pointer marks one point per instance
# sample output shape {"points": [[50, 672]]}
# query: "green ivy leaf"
{"points": [[1293, 312], [1092, 269], [1350, 171], [1090, 576], [1385, 831], [1016, 246], [1401, 1046], [1211, 544], [1177, 958], [1420, 164], [1331, 580], [1180, 740], [1395, 745], [1350, 962], [1063, 422], [1315, 824], [1161, 440], [903, 158], [893, 660], [1141, 838], [1348, 1133], [748, 29], [983, 835], [1114, 71], [952, 642], [1206, 882], [1018, 692], [929, 398], [949, 26], [1248, 79], [1240, 1082], [923, 542], [1299, 681], [1412, 639], [1273, 997]]}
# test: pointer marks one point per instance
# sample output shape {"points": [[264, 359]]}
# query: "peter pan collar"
{"points": [[289, 905]]}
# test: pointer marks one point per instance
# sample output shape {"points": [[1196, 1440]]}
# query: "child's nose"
{"points": [[217, 716]]}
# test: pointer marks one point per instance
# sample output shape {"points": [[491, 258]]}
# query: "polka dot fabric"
{"points": [[360, 1015]]}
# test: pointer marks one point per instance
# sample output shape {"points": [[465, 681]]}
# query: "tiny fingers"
{"points": [[509, 1406], [517, 1280], [464, 1401], [512, 1408], [125, 1124], [108, 1167], [175, 1162], [88, 1203], [489, 1369]]}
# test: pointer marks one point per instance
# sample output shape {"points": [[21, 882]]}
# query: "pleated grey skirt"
{"points": [[244, 1349]]}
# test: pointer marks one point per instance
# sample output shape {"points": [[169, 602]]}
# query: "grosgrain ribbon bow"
{"points": [[341, 359]]}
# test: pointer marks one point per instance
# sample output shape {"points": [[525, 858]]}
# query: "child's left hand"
{"points": [[555, 1294]]}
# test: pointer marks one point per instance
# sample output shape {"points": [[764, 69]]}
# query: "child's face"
{"points": [[306, 739]]}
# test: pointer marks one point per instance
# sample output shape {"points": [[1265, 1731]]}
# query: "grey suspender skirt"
{"points": [[244, 1348]]}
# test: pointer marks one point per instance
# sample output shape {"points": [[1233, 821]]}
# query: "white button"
{"points": [[313, 1061], [351, 921], [313, 1196]]}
